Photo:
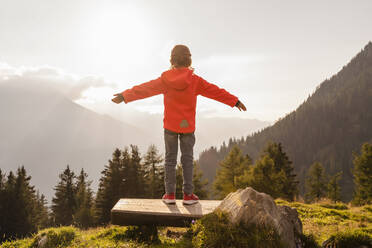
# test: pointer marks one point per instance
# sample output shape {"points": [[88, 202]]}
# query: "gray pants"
{"points": [[187, 142]]}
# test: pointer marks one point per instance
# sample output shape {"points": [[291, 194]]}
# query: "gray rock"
{"points": [[252, 207]]}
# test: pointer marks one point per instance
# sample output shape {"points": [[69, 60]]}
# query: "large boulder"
{"points": [[252, 207]]}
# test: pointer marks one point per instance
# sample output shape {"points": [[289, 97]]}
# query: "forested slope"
{"points": [[332, 123]]}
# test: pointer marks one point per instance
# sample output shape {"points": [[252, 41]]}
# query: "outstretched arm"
{"points": [[214, 92], [148, 89]]}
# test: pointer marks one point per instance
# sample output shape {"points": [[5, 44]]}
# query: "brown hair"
{"points": [[180, 56]]}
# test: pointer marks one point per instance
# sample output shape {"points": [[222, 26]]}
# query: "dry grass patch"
{"points": [[324, 219]]}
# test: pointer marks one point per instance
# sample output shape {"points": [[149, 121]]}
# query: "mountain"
{"points": [[212, 131], [44, 131], [332, 123]]}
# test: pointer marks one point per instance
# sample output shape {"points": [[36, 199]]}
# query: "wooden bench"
{"points": [[136, 212]]}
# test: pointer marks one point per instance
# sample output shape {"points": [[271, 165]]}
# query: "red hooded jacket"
{"points": [[180, 87]]}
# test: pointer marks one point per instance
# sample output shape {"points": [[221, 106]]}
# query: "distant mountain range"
{"points": [[210, 131], [44, 131], [331, 124]]}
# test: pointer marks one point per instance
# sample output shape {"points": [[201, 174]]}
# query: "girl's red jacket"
{"points": [[180, 87]]}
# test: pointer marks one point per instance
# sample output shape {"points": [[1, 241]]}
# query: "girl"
{"points": [[180, 87]]}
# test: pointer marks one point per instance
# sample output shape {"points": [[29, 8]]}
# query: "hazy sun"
{"points": [[118, 33]]}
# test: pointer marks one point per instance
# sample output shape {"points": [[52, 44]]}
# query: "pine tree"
{"points": [[316, 183], [272, 174], [200, 185], [125, 171], [83, 216], [42, 213], [113, 185], [284, 168], [334, 190], [64, 201], [8, 215], [19, 206], [263, 177], [24, 204], [154, 174], [363, 175], [231, 168], [136, 174]]}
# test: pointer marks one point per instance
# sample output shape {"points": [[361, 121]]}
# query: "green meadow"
{"points": [[321, 221]]}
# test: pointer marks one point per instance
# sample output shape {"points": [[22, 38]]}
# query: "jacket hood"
{"points": [[178, 78]]}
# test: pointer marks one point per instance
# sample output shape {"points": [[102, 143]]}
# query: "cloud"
{"points": [[72, 86]]}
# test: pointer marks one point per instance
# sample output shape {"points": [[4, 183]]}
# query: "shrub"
{"points": [[308, 241], [56, 237], [215, 230], [352, 239], [141, 234]]}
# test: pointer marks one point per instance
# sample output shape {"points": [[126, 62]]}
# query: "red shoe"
{"points": [[190, 199], [169, 198]]}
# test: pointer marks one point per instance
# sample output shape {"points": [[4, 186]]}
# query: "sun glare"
{"points": [[118, 32]]}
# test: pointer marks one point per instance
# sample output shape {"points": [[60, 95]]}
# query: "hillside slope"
{"points": [[44, 131], [327, 127]]}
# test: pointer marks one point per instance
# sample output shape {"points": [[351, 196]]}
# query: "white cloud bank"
{"points": [[72, 86], [247, 76]]}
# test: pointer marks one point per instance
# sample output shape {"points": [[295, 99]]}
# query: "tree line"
{"points": [[127, 175], [22, 209], [317, 186], [273, 173], [130, 175]]}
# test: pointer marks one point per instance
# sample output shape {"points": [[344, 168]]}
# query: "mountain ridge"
{"points": [[327, 127], [44, 131]]}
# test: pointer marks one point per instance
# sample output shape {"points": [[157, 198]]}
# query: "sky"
{"points": [[271, 54]]}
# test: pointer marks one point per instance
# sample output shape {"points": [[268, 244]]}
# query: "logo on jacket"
{"points": [[184, 124]]}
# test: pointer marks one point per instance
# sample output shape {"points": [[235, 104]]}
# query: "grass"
{"points": [[344, 224], [324, 219], [102, 237]]}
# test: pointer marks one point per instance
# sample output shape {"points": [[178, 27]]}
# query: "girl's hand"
{"points": [[240, 106], [118, 98]]}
